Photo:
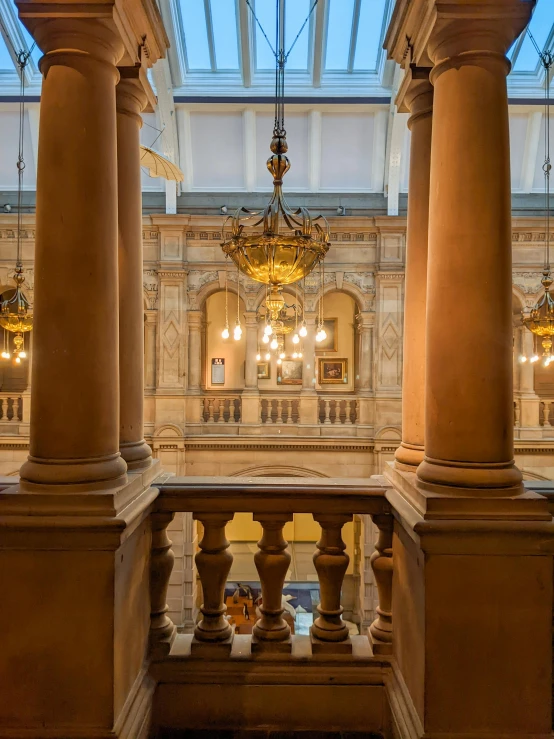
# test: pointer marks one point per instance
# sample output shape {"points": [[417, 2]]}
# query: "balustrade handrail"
{"points": [[278, 494], [214, 501]]}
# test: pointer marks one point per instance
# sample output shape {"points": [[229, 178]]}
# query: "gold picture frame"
{"points": [[330, 343], [264, 370], [289, 372], [332, 371]]}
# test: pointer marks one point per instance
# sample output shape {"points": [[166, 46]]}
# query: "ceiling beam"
{"points": [[318, 42], [246, 45]]}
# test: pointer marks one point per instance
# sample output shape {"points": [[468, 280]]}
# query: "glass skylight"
{"points": [[339, 34], [265, 12], [193, 19], [224, 24], [36, 53], [6, 63], [369, 36], [526, 58], [296, 12]]}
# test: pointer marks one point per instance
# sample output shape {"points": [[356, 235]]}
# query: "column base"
{"points": [[95, 473], [451, 478], [137, 454], [408, 457]]}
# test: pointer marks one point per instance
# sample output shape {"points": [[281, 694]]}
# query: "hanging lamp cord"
{"points": [[22, 60]]}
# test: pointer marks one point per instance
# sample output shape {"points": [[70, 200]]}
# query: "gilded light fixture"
{"points": [[16, 315], [540, 320], [277, 246]]}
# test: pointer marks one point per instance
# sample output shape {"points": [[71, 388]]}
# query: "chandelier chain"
{"points": [[22, 60]]}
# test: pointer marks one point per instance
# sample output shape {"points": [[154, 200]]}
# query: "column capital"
{"points": [[415, 95], [366, 320], [71, 41], [195, 318], [251, 319], [130, 96]]}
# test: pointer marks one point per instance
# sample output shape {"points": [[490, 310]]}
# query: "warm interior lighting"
{"points": [[303, 330], [268, 356], [522, 359], [258, 356], [225, 333], [237, 331], [534, 358], [268, 329], [265, 339], [279, 361], [274, 344], [295, 339]]}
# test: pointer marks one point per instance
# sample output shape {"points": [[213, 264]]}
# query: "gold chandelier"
{"points": [[540, 320], [16, 315], [277, 246]]}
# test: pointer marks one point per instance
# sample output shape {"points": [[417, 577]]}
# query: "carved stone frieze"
{"points": [[199, 278], [364, 281], [528, 282]]}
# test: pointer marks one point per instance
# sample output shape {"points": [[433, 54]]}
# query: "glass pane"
{"points": [[265, 12], [339, 31], [540, 26], [368, 40], [6, 63], [224, 24], [36, 53], [193, 20], [296, 12]]}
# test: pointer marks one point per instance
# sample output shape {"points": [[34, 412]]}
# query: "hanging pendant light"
{"points": [[540, 320], [277, 246], [16, 314]]}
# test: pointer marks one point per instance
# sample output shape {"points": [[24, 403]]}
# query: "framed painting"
{"points": [[332, 371], [329, 344], [264, 370], [289, 372]]}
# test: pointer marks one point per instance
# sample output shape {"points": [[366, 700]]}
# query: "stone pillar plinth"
{"points": [[75, 368], [131, 99], [195, 350], [418, 98], [468, 387]]}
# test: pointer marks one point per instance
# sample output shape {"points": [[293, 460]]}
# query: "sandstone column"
{"points": [[75, 372], [130, 100], [419, 100], [308, 354], [195, 350], [469, 391], [365, 327], [251, 348], [529, 401], [150, 349]]}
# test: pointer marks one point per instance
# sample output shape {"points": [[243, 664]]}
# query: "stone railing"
{"points": [[279, 409], [220, 409], [213, 501], [546, 412], [333, 410], [11, 408]]}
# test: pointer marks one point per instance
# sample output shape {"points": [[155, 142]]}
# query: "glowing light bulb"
{"points": [[318, 336], [268, 356], [23, 355], [295, 339], [5, 355], [534, 358], [282, 355], [522, 359], [299, 355], [265, 339], [323, 333], [268, 330], [258, 357], [294, 355], [303, 330], [17, 360], [279, 361], [225, 332], [237, 332], [274, 344]]}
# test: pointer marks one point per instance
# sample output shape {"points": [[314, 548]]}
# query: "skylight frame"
{"points": [[12, 33], [213, 68], [262, 72]]}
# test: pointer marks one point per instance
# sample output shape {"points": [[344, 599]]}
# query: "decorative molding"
{"points": [[528, 282]]}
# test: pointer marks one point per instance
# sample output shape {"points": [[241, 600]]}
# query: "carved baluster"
{"points": [[289, 403], [213, 563], [263, 416], [348, 411], [3, 409], [329, 632], [273, 405], [10, 405], [355, 402], [221, 410], [327, 406], [272, 561], [279, 411], [162, 629], [211, 403], [233, 407], [547, 406], [516, 413], [381, 564], [17, 415]]}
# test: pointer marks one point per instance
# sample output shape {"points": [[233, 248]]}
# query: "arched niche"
{"points": [[341, 307], [232, 351], [14, 377]]}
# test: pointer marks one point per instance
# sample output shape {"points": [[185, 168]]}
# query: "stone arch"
{"points": [[210, 288], [168, 431], [268, 470], [389, 433], [359, 298]]}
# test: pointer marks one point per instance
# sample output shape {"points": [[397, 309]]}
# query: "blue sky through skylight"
{"points": [[196, 34], [224, 23], [540, 26], [370, 26], [296, 12], [339, 31]]}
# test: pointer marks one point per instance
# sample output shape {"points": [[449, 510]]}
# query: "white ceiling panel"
{"points": [[217, 151], [346, 152]]}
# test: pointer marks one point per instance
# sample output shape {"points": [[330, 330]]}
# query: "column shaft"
{"points": [[366, 352], [419, 99], [469, 392], [195, 350], [308, 354], [75, 373], [251, 348], [131, 100]]}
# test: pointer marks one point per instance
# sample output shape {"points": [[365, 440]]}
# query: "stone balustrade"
{"points": [[333, 410], [11, 408], [220, 409], [279, 410], [273, 501]]}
